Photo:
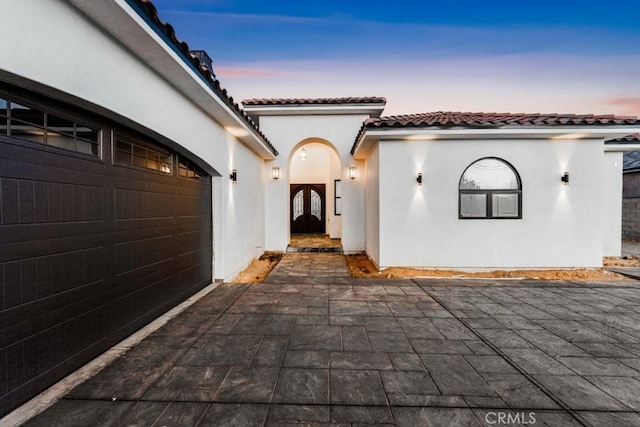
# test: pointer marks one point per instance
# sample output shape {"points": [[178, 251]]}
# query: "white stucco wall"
{"points": [[372, 205], [561, 226], [288, 133], [69, 53], [612, 204]]}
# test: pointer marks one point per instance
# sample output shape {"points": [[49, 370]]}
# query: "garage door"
{"points": [[101, 230]]}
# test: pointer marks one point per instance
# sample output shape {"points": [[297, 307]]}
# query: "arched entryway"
{"points": [[315, 189]]}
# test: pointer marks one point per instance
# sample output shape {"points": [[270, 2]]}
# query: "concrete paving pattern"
{"points": [[317, 349]]}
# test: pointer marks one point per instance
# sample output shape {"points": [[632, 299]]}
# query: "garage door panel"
{"points": [[32, 319], [192, 205], [47, 161], [128, 177], [142, 204], [30, 279], [190, 241], [89, 252], [144, 253], [137, 308], [51, 236], [26, 201], [46, 349]]}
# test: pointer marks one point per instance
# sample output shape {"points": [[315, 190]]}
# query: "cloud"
{"points": [[517, 83], [631, 104]]}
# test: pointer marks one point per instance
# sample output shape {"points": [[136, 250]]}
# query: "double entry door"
{"points": [[307, 208]]}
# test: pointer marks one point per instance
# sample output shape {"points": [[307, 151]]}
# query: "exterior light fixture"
{"points": [[275, 172], [303, 154], [419, 178], [565, 178], [234, 176], [353, 172]]}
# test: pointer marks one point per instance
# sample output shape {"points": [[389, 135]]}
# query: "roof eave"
{"points": [[120, 19]]}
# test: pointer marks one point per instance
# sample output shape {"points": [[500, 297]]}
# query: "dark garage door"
{"points": [[93, 245]]}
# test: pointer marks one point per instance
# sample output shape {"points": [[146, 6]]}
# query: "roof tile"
{"points": [[633, 139], [449, 119], [313, 101]]}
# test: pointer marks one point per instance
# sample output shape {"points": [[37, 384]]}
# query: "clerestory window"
{"points": [[490, 188]]}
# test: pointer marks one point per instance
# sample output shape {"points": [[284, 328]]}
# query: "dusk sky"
{"points": [[516, 56]]}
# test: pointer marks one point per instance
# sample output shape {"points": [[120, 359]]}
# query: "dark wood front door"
{"points": [[307, 208]]}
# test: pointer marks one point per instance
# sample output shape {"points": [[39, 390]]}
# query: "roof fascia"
{"points": [[621, 147]]}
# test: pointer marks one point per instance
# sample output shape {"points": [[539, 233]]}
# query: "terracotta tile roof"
{"points": [[315, 101], [631, 159], [455, 119], [449, 120], [148, 10], [631, 139]]}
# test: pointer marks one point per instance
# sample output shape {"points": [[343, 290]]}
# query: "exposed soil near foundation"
{"points": [[626, 261], [259, 268], [361, 266]]}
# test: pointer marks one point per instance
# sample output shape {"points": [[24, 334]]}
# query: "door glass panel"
{"points": [[473, 205], [27, 115], [61, 140], [490, 174], [505, 205], [27, 123], [87, 133], [316, 204], [60, 125], [298, 204], [86, 147]]}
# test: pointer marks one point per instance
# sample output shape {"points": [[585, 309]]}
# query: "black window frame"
{"points": [[336, 197], [188, 169], [489, 193], [146, 145], [48, 129]]}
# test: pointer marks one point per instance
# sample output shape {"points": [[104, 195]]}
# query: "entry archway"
{"points": [[315, 188]]}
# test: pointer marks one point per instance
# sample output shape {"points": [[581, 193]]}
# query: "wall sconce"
{"points": [[234, 176], [353, 172], [303, 154], [565, 178], [419, 178], [275, 172]]}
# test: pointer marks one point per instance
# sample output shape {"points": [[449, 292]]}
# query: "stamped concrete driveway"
{"points": [[345, 351]]}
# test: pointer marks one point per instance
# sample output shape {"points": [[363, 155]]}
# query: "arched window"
{"points": [[490, 188]]}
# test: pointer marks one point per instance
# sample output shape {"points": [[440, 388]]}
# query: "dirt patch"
{"points": [[361, 266], [626, 261], [259, 268]]}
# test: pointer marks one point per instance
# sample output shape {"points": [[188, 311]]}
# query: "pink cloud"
{"points": [[631, 104]]}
